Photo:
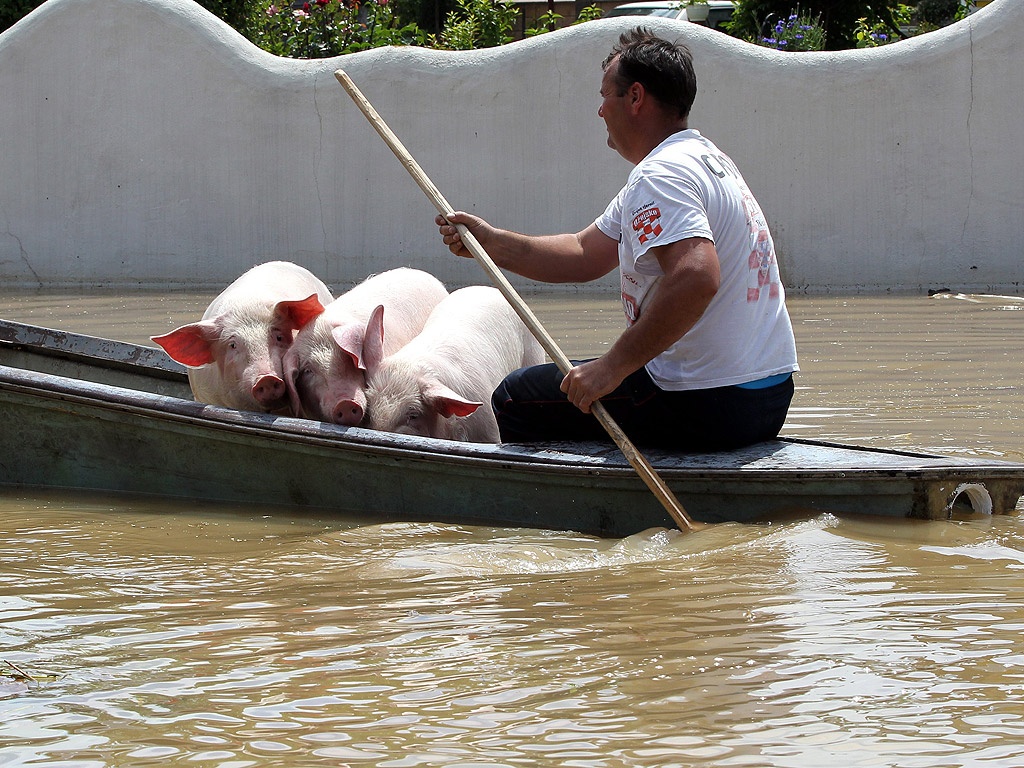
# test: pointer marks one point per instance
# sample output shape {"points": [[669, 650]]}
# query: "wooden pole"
{"points": [[633, 456]]}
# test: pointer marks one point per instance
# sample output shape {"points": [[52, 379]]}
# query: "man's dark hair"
{"points": [[664, 69]]}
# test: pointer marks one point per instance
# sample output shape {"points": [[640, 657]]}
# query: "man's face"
{"points": [[614, 106]]}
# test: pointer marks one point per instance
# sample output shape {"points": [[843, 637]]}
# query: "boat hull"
{"points": [[67, 434], [81, 432]]}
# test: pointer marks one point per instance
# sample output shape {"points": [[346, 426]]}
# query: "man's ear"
{"points": [[637, 96]]}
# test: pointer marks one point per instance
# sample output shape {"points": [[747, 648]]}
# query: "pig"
{"points": [[235, 354], [325, 370], [434, 385]]}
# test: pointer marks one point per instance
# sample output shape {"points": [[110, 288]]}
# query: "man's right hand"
{"points": [[446, 226]]}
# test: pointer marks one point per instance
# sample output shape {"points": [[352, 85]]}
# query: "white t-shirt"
{"points": [[687, 187]]}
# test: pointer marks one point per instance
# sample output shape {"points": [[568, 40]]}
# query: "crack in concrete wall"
{"points": [[23, 255], [317, 162], [970, 138]]}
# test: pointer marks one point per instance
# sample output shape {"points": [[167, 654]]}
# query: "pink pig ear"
{"points": [[349, 338], [291, 372], [373, 340], [296, 314], [364, 346], [190, 344], [448, 402]]}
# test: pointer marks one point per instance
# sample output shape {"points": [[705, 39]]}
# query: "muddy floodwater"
{"points": [[152, 633]]}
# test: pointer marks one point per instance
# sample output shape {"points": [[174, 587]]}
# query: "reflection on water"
{"points": [[228, 637], [221, 638], [941, 373]]}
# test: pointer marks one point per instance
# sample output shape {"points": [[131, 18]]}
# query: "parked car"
{"points": [[718, 12]]}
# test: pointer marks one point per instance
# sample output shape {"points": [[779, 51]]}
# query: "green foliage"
{"points": [[798, 32], [937, 13], [755, 19], [321, 28], [589, 13], [546, 22], [11, 11], [963, 9], [478, 24], [428, 15], [324, 28], [234, 12], [874, 35]]}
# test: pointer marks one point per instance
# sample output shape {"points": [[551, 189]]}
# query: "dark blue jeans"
{"points": [[530, 407]]}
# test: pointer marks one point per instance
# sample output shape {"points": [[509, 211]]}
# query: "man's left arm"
{"points": [[691, 279]]}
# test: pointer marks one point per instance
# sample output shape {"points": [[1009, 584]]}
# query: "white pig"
{"points": [[235, 353], [434, 386], [324, 369]]}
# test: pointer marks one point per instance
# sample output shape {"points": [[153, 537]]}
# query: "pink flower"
{"points": [[272, 10], [300, 14]]}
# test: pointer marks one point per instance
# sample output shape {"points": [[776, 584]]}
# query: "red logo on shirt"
{"points": [[646, 225]]}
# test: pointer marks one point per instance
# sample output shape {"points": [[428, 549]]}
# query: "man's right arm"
{"points": [[566, 258]]}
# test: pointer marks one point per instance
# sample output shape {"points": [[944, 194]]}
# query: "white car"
{"points": [[718, 11]]}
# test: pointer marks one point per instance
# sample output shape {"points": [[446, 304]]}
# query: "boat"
{"points": [[89, 414]]}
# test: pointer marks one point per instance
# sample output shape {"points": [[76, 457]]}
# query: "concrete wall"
{"points": [[145, 143]]}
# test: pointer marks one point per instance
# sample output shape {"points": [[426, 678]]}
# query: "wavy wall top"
{"points": [[147, 143]]}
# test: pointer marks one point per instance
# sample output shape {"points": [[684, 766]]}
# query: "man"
{"points": [[706, 361]]}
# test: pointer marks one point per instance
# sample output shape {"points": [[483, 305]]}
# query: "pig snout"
{"points": [[269, 390], [348, 413]]}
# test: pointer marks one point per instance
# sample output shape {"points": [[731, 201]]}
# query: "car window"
{"points": [[719, 16], [716, 16], [634, 11]]}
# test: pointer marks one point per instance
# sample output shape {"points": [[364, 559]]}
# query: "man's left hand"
{"points": [[590, 381]]}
